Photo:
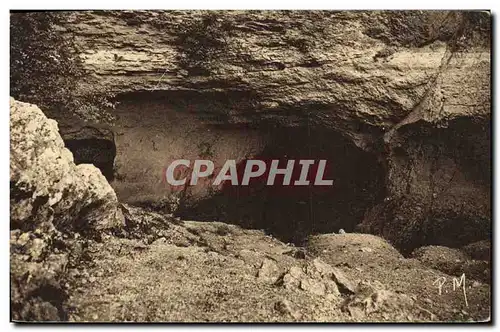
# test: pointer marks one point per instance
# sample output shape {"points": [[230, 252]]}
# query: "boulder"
{"points": [[455, 262], [480, 250], [353, 249], [47, 186], [447, 260], [52, 201]]}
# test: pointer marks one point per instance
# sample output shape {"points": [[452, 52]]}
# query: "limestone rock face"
{"points": [[410, 88], [358, 72], [52, 202], [45, 184]]}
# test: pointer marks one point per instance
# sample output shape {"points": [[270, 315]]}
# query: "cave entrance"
{"points": [[292, 213], [99, 152]]}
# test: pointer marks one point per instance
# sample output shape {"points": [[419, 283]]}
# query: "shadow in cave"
{"points": [[291, 213], [99, 152]]}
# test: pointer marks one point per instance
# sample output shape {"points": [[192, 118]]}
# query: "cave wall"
{"points": [[404, 86], [153, 130], [439, 187], [439, 163], [89, 142], [292, 213]]}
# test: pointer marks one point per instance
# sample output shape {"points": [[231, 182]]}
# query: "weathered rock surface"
{"points": [[341, 249], [479, 250], [413, 88], [439, 186], [373, 298], [454, 262], [445, 259], [52, 201], [329, 63], [214, 272], [46, 185]]}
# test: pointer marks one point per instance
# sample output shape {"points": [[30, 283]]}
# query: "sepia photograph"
{"points": [[250, 166]]}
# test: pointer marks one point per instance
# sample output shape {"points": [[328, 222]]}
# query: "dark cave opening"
{"points": [[99, 152], [291, 213], [177, 126]]}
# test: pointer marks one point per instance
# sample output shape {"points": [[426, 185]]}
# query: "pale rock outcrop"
{"points": [[46, 185], [52, 202]]}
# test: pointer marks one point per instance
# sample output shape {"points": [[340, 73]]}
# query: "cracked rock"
{"points": [[269, 272]]}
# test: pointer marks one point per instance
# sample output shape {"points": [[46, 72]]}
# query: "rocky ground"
{"points": [[215, 272], [407, 92]]}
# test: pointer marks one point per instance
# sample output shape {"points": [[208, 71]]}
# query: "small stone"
{"points": [[292, 278], [344, 284], [341, 231], [23, 239], [313, 286], [285, 307], [269, 272], [160, 240], [366, 249], [37, 248]]}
